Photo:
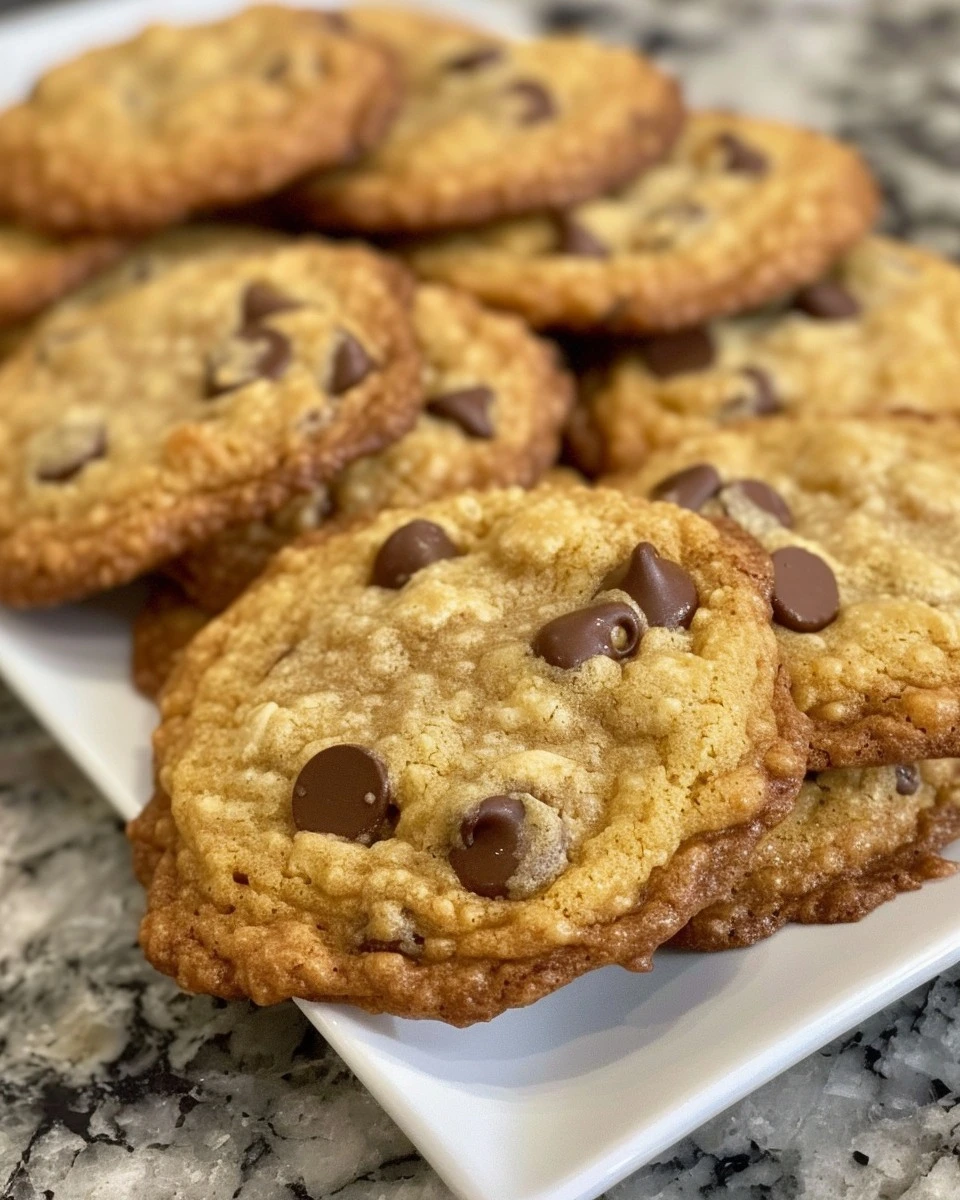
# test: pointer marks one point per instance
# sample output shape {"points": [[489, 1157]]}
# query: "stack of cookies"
{"points": [[301, 314]]}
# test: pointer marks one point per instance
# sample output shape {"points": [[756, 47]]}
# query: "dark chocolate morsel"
{"points": [[908, 779], [742, 157], [690, 488], [664, 591], [610, 629], [827, 301], [473, 60], [538, 104], [351, 364], [492, 835], [760, 401], [409, 549], [256, 352], [574, 238], [277, 68], [677, 353], [262, 300], [805, 594], [763, 496], [68, 449], [343, 790], [469, 408]]}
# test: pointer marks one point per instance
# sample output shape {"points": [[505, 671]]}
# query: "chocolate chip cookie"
{"points": [[743, 211], [36, 270], [862, 519], [494, 401], [855, 839], [490, 128], [138, 135], [444, 762], [144, 421], [880, 334]]}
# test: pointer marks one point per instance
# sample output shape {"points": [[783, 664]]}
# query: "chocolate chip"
{"points": [[409, 549], [537, 103], [690, 488], [763, 496], [253, 353], [908, 779], [277, 68], [262, 300], [469, 408], [492, 835], [677, 353], [665, 592], [473, 60], [574, 238], [805, 594], [760, 401], [336, 20], [69, 448], [342, 790], [351, 364], [827, 301], [741, 157], [611, 629]]}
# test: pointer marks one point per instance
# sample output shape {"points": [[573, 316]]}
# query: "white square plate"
{"points": [[563, 1099]]}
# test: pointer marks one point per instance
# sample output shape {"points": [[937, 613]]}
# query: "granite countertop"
{"points": [[113, 1084]]}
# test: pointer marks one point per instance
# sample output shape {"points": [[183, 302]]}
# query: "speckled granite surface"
{"points": [[112, 1085]]}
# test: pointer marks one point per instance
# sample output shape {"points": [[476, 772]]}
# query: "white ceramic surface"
{"points": [[563, 1099]]}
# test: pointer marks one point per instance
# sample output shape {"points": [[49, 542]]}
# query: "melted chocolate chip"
{"points": [[351, 365], [761, 400], [68, 449], [492, 835], [342, 790], [664, 591], [805, 593], [610, 629], [827, 301], [469, 408], [474, 60], [537, 103], [677, 353], [908, 779], [741, 157], [262, 300], [690, 488], [763, 496], [254, 353], [574, 238], [409, 549]]}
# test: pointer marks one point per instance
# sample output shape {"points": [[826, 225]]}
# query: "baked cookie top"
{"points": [[137, 423], [869, 627], [494, 401], [490, 128], [855, 839], [439, 764], [36, 270], [742, 211], [140, 134], [880, 334]]}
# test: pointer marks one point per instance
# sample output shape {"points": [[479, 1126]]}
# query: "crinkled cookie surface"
{"points": [[877, 505], [742, 211]]}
